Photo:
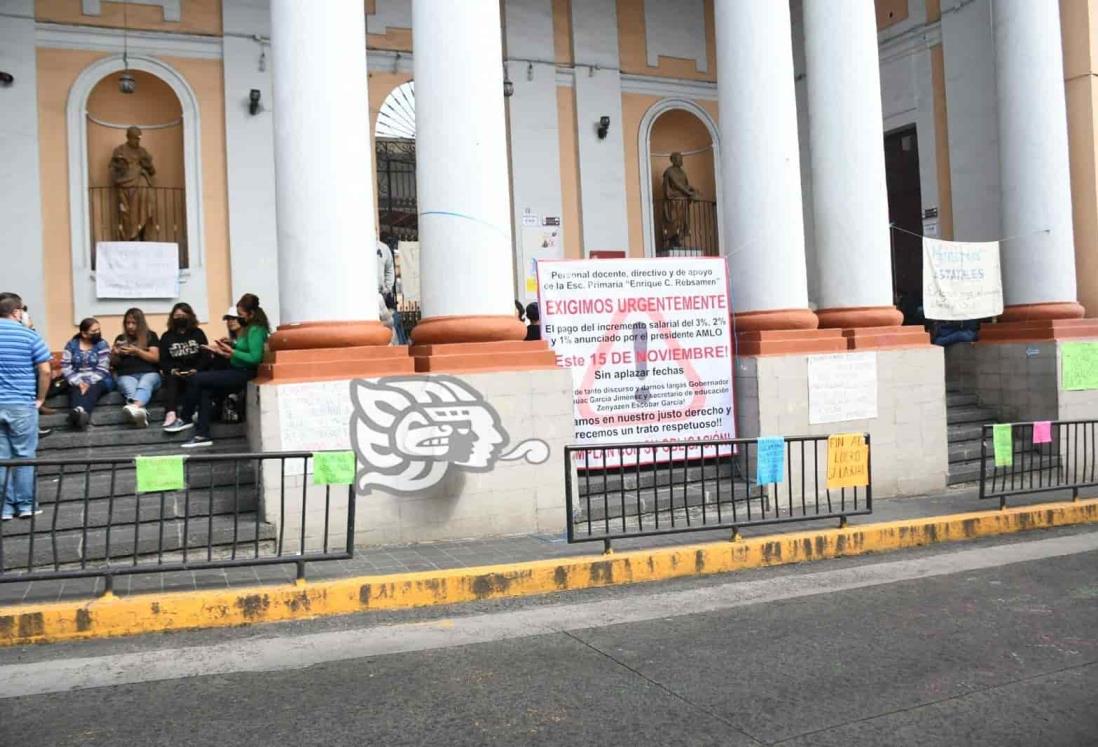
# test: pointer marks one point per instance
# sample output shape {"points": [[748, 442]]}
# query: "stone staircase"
{"points": [[965, 418], [79, 514]]}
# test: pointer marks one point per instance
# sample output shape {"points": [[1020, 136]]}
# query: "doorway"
{"points": [[905, 213]]}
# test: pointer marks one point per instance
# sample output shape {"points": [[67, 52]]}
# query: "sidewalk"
{"points": [[396, 559]]}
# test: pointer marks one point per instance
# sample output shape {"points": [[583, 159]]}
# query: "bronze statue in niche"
{"points": [[131, 174], [677, 196]]}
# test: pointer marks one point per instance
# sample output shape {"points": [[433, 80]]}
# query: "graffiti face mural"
{"points": [[410, 432]]}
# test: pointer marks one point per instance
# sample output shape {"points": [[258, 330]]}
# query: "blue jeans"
{"points": [[139, 388], [18, 440]]}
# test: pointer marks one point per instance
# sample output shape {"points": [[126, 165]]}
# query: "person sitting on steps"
{"points": [[181, 358], [136, 358], [244, 357], [86, 366]]}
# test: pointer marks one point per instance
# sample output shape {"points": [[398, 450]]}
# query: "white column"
{"points": [[849, 192], [327, 260], [764, 227], [466, 263], [1038, 259]]}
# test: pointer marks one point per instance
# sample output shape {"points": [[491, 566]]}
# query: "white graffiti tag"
{"points": [[409, 432]]}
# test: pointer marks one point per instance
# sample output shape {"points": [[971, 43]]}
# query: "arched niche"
{"points": [[182, 163], [677, 124]]}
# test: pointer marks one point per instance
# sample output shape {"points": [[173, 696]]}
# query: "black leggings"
{"points": [[204, 386]]}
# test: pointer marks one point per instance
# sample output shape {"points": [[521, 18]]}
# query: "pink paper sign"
{"points": [[1042, 432]]}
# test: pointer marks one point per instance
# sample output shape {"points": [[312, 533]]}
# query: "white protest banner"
{"points": [[842, 387], [136, 269], [961, 280], [408, 251], [649, 345]]}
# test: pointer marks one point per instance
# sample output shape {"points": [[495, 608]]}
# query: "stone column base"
{"points": [[852, 317], [788, 341], [483, 356], [319, 364], [877, 338], [1039, 330]]}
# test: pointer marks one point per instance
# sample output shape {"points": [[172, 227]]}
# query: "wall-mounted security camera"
{"points": [[604, 127], [253, 102], [6, 79]]}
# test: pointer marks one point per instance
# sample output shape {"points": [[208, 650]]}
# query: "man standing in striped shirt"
{"points": [[24, 382]]}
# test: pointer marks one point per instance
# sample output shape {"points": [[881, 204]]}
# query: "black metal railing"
{"points": [[168, 224], [1064, 459], [655, 489], [93, 520], [686, 228]]}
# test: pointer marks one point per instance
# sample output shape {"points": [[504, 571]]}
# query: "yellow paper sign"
{"points": [[847, 461], [159, 473]]}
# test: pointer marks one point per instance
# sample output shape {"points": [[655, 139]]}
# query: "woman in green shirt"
{"points": [[244, 355]]}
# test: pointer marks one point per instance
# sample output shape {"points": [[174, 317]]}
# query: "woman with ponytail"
{"points": [[244, 356]]}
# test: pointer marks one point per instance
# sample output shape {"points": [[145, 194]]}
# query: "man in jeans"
{"points": [[24, 382]]}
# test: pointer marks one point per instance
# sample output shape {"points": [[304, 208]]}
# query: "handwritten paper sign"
{"points": [[314, 416], [770, 460], [333, 468], [961, 279], [1003, 440], [136, 269], [847, 461], [842, 387], [1042, 432], [159, 473], [408, 253], [1079, 365]]}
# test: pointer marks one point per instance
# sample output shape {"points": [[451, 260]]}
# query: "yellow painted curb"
{"points": [[147, 613]]}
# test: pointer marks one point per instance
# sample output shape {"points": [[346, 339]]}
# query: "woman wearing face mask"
{"points": [[136, 358], [86, 365], [181, 357], [244, 357]]}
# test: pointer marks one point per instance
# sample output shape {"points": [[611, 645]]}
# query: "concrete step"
{"points": [[153, 540], [613, 481], [121, 513], [70, 485], [61, 402], [964, 432], [126, 453], [610, 505], [961, 399], [101, 416], [969, 414], [65, 439], [969, 470]]}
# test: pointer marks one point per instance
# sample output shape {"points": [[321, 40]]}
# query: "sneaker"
{"points": [[79, 418], [26, 513], [7, 517], [178, 427], [43, 432], [130, 412], [169, 420], [196, 442], [141, 417]]}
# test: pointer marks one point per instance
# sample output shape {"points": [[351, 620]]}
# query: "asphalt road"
{"points": [[991, 642]]}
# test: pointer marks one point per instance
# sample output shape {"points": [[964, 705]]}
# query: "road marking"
{"points": [[283, 652]]}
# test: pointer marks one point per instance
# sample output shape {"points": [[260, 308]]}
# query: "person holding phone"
{"points": [[181, 357], [244, 356], [136, 359]]}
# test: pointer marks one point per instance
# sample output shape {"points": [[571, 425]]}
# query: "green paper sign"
{"points": [[334, 468], [1004, 444], [1079, 365], [159, 473]]}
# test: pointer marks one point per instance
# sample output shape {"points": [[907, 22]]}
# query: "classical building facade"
{"points": [[985, 108]]}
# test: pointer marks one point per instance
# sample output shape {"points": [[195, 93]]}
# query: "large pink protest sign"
{"points": [[649, 345]]}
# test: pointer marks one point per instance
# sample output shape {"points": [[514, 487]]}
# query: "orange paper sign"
{"points": [[847, 461]]}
